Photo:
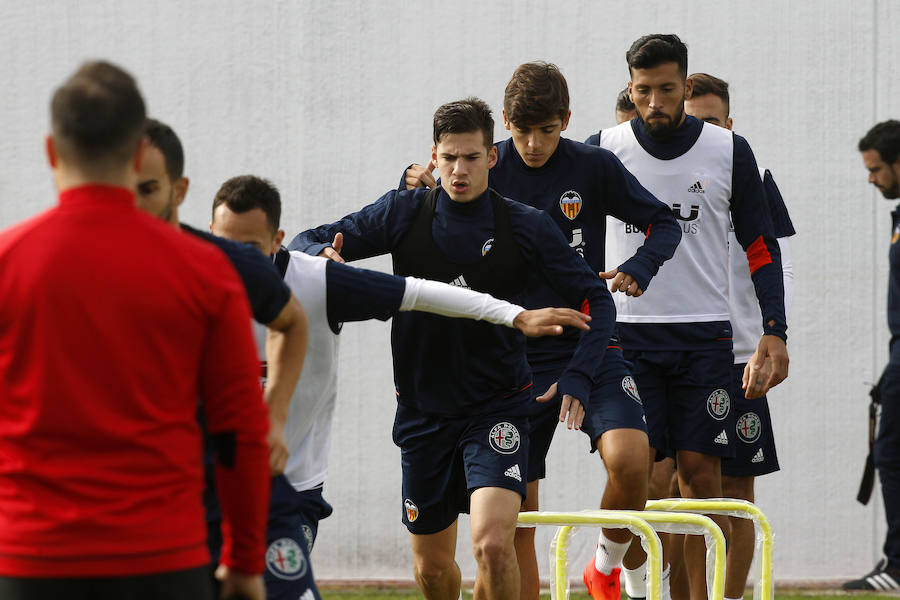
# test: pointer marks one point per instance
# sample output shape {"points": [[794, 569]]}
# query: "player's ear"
{"points": [[434, 153], [138, 160], [51, 151], [688, 88], [565, 122], [276, 242], [728, 123], [506, 122], [179, 190], [492, 157]]}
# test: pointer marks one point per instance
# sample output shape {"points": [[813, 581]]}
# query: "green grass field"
{"points": [[404, 594]]}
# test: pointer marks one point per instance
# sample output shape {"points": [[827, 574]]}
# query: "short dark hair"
{"points": [[163, 138], [464, 116], [885, 139], [657, 49], [623, 102], [246, 192], [705, 84], [97, 117], [536, 93]]}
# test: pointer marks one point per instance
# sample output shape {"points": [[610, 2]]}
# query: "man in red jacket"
{"points": [[108, 335]]}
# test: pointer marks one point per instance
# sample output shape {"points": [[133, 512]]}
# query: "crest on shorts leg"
{"points": [[504, 438], [412, 511], [718, 404]]}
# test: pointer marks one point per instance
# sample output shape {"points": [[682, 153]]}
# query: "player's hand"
{"points": [[766, 368], [334, 253], [418, 176], [622, 282], [570, 405], [240, 586], [549, 321], [278, 450]]}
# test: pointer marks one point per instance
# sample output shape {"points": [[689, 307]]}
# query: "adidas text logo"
{"points": [[758, 457], [697, 188], [514, 472], [722, 438], [460, 282]]}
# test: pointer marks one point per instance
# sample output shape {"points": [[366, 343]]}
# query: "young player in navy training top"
{"points": [[248, 209], [677, 335], [880, 150], [578, 185], [755, 446], [464, 388]]}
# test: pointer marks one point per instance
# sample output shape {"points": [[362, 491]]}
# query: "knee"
{"points": [[702, 479], [432, 568], [493, 551]]}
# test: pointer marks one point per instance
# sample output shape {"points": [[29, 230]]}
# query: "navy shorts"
{"points": [[686, 399], [445, 458], [754, 452], [614, 404], [293, 525]]}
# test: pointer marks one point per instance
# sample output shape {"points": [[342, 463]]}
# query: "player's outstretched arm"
{"points": [[571, 411], [285, 350], [766, 368], [549, 321]]}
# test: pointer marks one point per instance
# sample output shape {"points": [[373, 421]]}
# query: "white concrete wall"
{"points": [[332, 99]]}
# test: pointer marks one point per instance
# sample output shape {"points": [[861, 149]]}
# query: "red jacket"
{"points": [[112, 324]]}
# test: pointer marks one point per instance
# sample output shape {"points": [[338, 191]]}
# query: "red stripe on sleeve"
{"points": [[646, 235], [758, 255], [586, 307]]}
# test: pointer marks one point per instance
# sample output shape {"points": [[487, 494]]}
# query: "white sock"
{"points": [[636, 581], [665, 592], [609, 554]]}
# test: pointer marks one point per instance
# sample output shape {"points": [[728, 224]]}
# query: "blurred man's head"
{"points": [[624, 107], [536, 110], [97, 117], [247, 209], [162, 185], [880, 149], [464, 148], [658, 67], [709, 100]]}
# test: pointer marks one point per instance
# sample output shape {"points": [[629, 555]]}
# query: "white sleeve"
{"points": [[787, 267], [452, 301]]}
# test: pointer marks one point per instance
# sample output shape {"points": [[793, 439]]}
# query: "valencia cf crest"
{"points": [[487, 247], [570, 204], [412, 511]]}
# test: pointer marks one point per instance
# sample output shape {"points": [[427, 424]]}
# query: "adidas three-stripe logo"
{"points": [[697, 188], [758, 457], [460, 282], [514, 472], [883, 581], [722, 438]]}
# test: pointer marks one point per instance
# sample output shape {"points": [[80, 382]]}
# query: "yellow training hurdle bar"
{"points": [[764, 587], [632, 520]]}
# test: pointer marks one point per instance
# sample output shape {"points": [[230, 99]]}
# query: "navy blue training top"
{"points": [[461, 233], [893, 301], [751, 226], [268, 294], [781, 221], [578, 187]]}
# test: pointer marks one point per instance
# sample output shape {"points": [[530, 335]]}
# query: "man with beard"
{"points": [[880, 149], [678, 335]]}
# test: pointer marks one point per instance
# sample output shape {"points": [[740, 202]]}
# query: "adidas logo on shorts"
{"points": [[758, 457], [721, 438], [514, 472]]}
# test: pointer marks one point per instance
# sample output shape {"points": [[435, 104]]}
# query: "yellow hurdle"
{"points": [[764, 587], [613, 519], [639, 522]]}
